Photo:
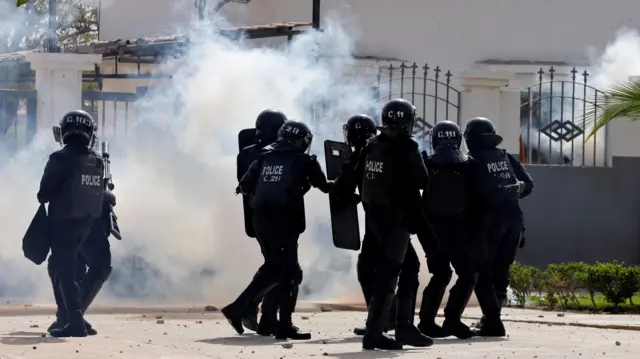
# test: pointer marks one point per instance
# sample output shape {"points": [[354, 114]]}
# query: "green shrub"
{"points": [[609, 284], [522, 281]]}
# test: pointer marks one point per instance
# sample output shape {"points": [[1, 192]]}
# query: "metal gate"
{"points": [[429, 89], [552, 121], [17, 116], [113, 111]]}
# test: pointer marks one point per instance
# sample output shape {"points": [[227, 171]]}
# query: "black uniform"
{"points": [[455, 203], [93, 265], [267, 125], [393, 174], [504, 220], [357, 131], [278, 181], [72, 185]]}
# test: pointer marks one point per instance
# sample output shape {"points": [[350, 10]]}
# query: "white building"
{"points": [[454, 34]]}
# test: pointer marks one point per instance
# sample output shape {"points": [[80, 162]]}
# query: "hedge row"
{"points": [[559, 284]]}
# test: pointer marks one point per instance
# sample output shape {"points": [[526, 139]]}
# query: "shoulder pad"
{"points": [[313, 157]]}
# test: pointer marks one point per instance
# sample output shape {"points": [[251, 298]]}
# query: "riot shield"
{"points": [[344, 217], [35, 243], [246, 137]]}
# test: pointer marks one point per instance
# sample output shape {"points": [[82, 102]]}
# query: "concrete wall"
{"points": [[583, 214]]}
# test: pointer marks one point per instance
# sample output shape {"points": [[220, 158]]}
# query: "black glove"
{"points": [[238, 190]]}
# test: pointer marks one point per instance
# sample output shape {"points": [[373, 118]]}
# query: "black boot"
{"points": [[375, 337], [75, 326], [90, 286], [458, 299], [492, 327], [287, 300], [431, 301], [256, 289], [366, 278], [269, 320], [478, 325], [406, 332], [250, 317]]}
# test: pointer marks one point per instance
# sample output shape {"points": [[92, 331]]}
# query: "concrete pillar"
{"points": [[59, 83], [622, 135], [485, 93]]}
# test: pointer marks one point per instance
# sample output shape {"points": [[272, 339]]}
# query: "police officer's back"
{"points": [[267, 125], [72, 185], [278, 181], [393, 173], [454, 204], [504, 219]]}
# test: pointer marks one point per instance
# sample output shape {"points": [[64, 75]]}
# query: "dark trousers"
{"points": [[457, 249], [270, 299], [370, 253], [281, 267], [92, 267], [66, 237], [503, 239], [393, 241]]}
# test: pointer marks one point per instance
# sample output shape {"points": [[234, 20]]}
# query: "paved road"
{"points": [[196, 334]]}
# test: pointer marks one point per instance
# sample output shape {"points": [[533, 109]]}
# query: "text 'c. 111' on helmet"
{"points": [[358, 130], [296, 134], [446, 133], [268, 124], [398, 118], [480, 131], [77, 124]]}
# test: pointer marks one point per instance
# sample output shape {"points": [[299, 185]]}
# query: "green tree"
{"points": [[26, 27], [620, 101]]}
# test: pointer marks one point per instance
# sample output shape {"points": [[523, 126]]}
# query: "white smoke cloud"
{"points": [[175, 173]]}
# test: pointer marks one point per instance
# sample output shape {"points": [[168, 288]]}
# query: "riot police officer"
{"points": [[357, 131], [93, 265], [393, 173], [455, 205], [278, 181], [72, 185], [505, 219], [267, 125]]}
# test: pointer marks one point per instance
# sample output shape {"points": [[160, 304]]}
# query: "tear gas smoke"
{"points": [[174, 172], [614, 65]]}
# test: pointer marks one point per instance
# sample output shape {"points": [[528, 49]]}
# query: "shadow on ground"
{"points": [[28, 338]]}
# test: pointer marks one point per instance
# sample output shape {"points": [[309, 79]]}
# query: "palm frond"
{"points": [[620, 101]]}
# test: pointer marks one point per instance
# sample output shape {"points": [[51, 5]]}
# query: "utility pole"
{"points": [[52, 39], [201, 7]]}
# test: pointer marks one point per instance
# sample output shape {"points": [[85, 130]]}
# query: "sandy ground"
{"points": [[180, 332]]}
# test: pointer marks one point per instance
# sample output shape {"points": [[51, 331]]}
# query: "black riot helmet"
{"points": [[267, 125], [296, 134], [358, 130], [481, 133], [77, 126], [398, 117], [446, 133], [446, 139]]}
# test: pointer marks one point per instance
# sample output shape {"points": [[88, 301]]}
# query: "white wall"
{"points": [[451, 33]]}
